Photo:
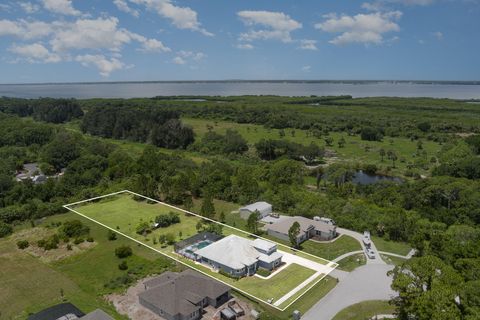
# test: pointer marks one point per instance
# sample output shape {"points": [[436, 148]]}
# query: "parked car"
{"points": [[370, 254]]}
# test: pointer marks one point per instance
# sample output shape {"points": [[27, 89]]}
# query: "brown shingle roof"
{"points": [[179, 292]]}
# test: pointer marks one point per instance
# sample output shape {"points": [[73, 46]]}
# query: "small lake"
{"points": [[364, 178]]}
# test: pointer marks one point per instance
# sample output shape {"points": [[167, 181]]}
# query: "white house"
{"points": [[263, 208]]}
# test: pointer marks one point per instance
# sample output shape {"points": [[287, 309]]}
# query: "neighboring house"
{"points": [[182, 296], [67, 311], [239, 256], [263, 209], [308, 229]]}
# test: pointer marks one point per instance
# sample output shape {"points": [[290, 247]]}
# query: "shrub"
{"points": [[123, 252], [90, 239], [263, 272], [74, 228], [165, 220], [143, 228], [5, 229], [231, 276], [78, 240], [22, 244], [123, 265], [49, 243], [69, 247], [170, 238], [111, 235]]}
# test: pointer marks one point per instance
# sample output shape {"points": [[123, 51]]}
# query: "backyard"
{"points": [[124, 212]]}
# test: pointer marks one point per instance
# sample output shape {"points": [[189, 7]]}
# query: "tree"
{"points": [[252, 220], [123, 252], [341, 142], [111, 236], [222, 217], [371, 134], [293, 233], [328, 141], [207, 209], [392, 156], [419, 145], [170, 238], [5, 229], [188, 203], [123, 265], [74, 229], [22, 244], [143, 228], [382, 153]]}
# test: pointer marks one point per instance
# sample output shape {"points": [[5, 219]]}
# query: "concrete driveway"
{"points": [[368, 282]]}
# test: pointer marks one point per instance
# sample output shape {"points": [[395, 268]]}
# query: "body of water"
{"points": [[230, 88], [362, 177]]}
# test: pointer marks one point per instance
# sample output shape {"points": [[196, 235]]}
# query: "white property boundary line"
{"points": [[333, 264]]}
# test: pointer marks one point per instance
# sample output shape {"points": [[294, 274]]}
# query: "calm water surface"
{"points": [[151, 89]]}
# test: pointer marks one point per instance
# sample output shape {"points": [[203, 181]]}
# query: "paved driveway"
{"points": [[368, 282]]}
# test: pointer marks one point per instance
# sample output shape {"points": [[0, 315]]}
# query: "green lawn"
{"points": [[392, 260], [29, 285], [331, 250], [400, 248], [123, 213], [365, 310], [352, 262], [355, 149]]}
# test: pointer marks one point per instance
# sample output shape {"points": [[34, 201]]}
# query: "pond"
{"points": [[362, 177]]}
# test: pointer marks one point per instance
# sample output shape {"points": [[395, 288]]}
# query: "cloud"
{"points": [[104, 65], [306, 68], [273, 25], [25, 29], [35, 52], [181, 17], [196, 56], [29, 7], [122, 5], [438, 35], [64, 7], [361, 28], [244, 46], [306, 44], [179, 60], [383, 5]]}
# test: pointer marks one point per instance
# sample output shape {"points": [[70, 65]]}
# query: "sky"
{"points": [[147, 40]]}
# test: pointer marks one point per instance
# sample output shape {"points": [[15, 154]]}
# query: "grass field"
{"points": [[352, 262], [123, 213], [365, 310], [392, 259], [355, 149], [30, 285], [400, 248]]}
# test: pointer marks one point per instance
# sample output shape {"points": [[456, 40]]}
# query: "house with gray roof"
{"points": [[182, 296], [240, 256], [263, 209], [308, 229]]}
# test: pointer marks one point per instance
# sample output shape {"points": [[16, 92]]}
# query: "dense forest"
{"points": [[438, 215]]}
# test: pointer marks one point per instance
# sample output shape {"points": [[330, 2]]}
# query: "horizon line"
{"points": [[347, 81]]}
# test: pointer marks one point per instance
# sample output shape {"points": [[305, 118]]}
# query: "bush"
{"points": [[165, 220], [123, 252], [143, 228], [89, 239], [5, 229], [111, 236], [22, 244], [263, 272], [49, 243], [69, 247], [123, 265], [74, 228], [231, 276], [78, 240]]}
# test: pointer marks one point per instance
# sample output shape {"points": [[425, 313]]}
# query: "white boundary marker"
{"points": [[328, 263]]}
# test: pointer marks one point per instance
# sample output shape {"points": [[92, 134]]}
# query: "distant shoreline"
{"points": [[413, 82]]}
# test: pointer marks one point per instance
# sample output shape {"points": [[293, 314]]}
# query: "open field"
{"points": [[354, 151], [400, 248], [365, 310], [122, 213], [352, 262]]}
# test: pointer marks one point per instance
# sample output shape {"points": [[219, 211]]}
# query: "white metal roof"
{"points": [[259, 206], [263, 244], [233, 251]]}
